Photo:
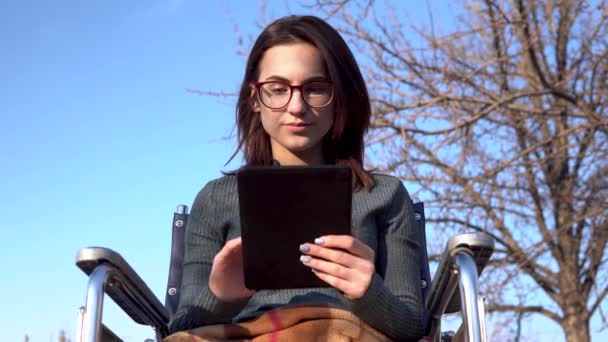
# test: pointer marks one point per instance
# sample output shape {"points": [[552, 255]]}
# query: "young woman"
{"points": [[303, 101]]}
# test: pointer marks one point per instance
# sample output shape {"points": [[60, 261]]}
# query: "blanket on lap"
{"points": [[288, 324]]}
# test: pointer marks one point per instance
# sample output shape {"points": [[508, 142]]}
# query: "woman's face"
{"points": [[296, 130]]}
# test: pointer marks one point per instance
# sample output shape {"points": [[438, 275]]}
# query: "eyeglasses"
{"points": [[277, 94]]}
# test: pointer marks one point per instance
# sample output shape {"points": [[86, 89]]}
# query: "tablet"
{"points": [[282, 207]]}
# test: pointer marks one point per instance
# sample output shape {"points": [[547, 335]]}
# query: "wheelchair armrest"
{"points": [[444, 298], [125, 287]]}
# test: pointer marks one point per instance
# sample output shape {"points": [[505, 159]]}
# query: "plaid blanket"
{"points": [[303, 324]]}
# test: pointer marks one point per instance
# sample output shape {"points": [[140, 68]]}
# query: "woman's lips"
{"points": [[298, 127]]}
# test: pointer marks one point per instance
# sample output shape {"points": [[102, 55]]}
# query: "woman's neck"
{"points": [[310, 157]]}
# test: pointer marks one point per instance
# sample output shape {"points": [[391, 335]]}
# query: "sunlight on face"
{"points": [[295, 130]]}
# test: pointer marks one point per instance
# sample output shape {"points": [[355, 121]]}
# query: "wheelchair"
{"points": [[453, 289]]}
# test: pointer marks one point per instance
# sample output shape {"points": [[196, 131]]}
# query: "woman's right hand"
{"points": [[226, 280]]}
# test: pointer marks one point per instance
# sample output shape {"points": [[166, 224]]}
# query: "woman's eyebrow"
{"points": [[308, 79]]}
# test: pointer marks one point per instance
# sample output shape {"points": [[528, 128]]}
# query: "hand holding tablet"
{"points": [[341, 261]]}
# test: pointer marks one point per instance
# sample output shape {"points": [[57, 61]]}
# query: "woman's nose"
{"points": [[296, 105]]}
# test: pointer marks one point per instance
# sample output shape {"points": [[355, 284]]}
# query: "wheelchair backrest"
{"points": [[174, 282]]}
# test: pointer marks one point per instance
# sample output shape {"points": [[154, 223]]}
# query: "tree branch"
{"points": [[526, 309], [598, 301]]}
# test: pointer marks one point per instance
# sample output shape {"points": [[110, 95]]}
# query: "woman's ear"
{"points": [[254, 100]]}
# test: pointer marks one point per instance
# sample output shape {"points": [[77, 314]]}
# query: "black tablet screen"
{"points": [[283, 207]]}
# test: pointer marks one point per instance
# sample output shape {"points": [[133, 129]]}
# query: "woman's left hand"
{"points": [[342, 261]]}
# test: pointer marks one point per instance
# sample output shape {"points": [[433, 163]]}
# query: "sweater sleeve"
{"points": [[205, 237], [393, 302]]}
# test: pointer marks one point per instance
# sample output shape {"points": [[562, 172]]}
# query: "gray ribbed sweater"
{"points": [[382, 218]]}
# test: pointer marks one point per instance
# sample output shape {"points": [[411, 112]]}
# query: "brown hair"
{"points": [[343, 144]]}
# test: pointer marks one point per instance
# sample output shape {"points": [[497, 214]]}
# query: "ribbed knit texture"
{"points": [[382, 218]]}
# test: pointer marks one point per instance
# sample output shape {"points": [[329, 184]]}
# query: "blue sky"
{"points": [[99, 141]]}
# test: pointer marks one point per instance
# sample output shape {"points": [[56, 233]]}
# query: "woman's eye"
{"points": [[279, 90], [315, 90]]}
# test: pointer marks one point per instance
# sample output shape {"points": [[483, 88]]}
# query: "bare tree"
{"points": [[501, 123]]}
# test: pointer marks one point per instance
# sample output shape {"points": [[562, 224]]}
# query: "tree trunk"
{"points": [[576, 328]]}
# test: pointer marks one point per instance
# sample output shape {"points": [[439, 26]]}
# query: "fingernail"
{"points": [[304, 258], [304, 248], [319, 241]]}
